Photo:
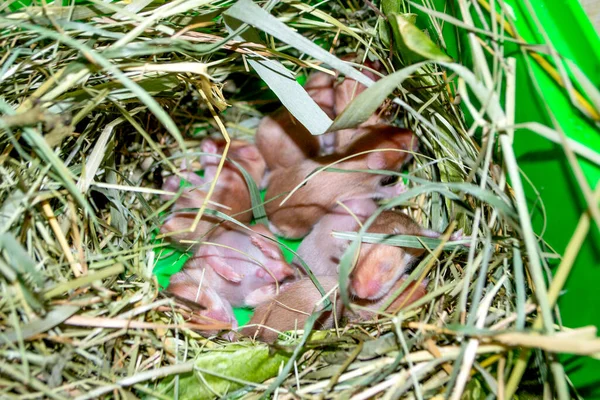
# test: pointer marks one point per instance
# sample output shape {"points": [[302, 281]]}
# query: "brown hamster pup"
{"points": [[296, 217], [346, 91], [320, 250], [292, 307], [283, 141], [380, 266], [230, 191]]}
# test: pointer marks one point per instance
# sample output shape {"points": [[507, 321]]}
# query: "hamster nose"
{"points": [[367, 290]]}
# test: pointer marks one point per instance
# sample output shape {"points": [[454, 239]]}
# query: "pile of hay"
{"points": [[100, 102]]}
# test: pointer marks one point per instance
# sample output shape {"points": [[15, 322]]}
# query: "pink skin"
{"points": [[297, 300], [215, 307], [296, 217], [320, 250], [320, 87], [236, 274], [283, 141], [345, 92], [231, 191], [379, 266], [242, 152], [348, 89]]}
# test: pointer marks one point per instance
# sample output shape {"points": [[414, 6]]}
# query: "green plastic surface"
{"points": [[544, 163]]}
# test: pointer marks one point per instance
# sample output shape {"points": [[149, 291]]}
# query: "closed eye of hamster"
{"points": [[380, 266], [296, 217]]}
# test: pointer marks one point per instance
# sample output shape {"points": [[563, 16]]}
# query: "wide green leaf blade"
{"points": [[413, 42], [219, 371], [283, 83], [366, 103]]}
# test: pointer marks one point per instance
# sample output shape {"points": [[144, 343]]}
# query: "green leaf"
{"points": [[258, 209], [219, 371], [390, 6], [412, 42], [383, 30], [19, 259], [282, 82], [366, 103], [412, 18], [414, 242]]}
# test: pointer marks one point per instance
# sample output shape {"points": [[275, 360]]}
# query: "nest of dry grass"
{"points": [[101, 101]]}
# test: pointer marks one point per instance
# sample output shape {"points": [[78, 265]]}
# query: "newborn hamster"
{"points": [[346, 91], [246, 154], [320, 250], [291, 308], [283, 141], [318, 196], [380, 266], [215, 307], [236, 266], [231, 190]]}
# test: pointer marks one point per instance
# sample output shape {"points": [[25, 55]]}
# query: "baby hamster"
{"points": [[296, 217], [320, 250], [380, 266], [291, 308], [231, 191], [238, 264], [283, 141]]}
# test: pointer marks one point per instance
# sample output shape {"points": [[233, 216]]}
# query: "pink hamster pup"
{"points": [[296, 217], [231, 190], [236, 266]]}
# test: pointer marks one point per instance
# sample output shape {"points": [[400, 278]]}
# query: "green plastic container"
{"points": [[544, 163]]}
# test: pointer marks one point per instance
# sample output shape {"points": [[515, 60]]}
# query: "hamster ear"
{"points": [[248, 153], [209, 146], [376, 160]]}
